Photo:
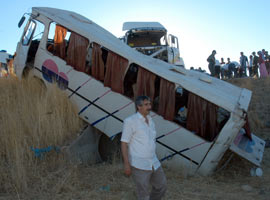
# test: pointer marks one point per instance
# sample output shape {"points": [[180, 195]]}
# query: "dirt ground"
{"points": [[106, 180]]}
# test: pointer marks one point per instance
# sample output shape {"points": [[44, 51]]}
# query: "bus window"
{"points": [[29, 33], [98, 61], [69, 46], [36, 38], [198, 115], [181, 100], [115, 70], [58, 40], [130, 81]]}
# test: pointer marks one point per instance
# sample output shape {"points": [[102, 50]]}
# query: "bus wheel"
{"points": [[109, 150]]}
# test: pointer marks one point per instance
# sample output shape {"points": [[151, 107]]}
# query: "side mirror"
{"points": [[21, 21]]}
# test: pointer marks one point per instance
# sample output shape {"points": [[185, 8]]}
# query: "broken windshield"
{"points": [[145, 38]]}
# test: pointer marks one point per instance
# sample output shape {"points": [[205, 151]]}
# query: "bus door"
{"points": [[23, 47]]}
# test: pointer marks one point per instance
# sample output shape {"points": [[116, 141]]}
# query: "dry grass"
{"points": [[107, 182], [31, 116], [258, 112]]}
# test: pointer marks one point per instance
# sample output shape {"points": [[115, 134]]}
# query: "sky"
{"points": [[228, 26]]}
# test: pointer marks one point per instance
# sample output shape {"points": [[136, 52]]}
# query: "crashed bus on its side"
{"points": [[102, 76]]}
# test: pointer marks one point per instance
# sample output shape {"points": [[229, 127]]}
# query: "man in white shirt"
{"points": [[138, 150]]}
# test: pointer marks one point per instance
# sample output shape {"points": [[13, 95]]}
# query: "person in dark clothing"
{"points": [[255, 65], [212, 61], [267, 61], [222, 62], [243, 65], [217, 69], [250, 64], [230, 68]]}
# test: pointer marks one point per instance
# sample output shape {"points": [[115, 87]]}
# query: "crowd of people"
{"points": [[256, 65], [6, 64]]}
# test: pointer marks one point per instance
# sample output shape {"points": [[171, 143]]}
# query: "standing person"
{"points": [[222, 68], [255, 64], [263, 54], [222, 62], [230, 68], [138, 149], [217, 69], [263, 70], [243, 65], [250, 64], [212, 60], [267, 62]]}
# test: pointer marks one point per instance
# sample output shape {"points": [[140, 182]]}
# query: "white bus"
{"points": [[102, 76]]}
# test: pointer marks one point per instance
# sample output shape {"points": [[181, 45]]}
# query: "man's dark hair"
{"points": [[140, 99]]}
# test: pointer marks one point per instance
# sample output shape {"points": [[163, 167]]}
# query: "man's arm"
{"points": [[127, 167]]}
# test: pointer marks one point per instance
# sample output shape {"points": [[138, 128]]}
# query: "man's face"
{"points": [[145, 108]]}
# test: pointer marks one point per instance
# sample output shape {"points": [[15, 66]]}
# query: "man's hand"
{"points": [[127, 169]]}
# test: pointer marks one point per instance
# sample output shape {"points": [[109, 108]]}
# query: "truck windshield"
{"points": [[145, 38]]}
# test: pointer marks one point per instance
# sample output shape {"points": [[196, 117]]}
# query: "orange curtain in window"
{"points": [[97, 63], [59, 41], [166, 106], [202, 117], [77, 52], [145, 84], [115, 72]]}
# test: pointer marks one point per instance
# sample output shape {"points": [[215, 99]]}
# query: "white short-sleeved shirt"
{"points": [[141, 139]]}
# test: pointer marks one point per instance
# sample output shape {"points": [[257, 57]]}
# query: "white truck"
{"points": [[102, 76], [152, 39]]}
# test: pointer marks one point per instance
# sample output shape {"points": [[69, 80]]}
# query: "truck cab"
{"points": [[152, 39]]}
